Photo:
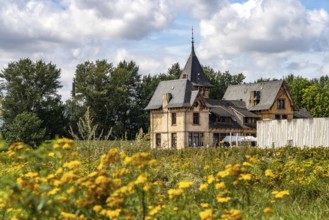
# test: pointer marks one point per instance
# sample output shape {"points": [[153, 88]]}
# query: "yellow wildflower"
{"points": [[223, 173], [117, 182], [113, 214], [155, 210], [50, 176], [122, 155], [31, 174], [147, 187], [204, 205], [247, 164], [211, 179], [236, 169], [127, 160], [141, 179], [184, 184], [67, 215], [175, 192], [71, 190], [268, 211], [20, 181], [269, 173], [59, 171], [223, 199], [220, 185], [203, 187], [101, 180], [206, 214], [72, 164], [97, 208], [232, 214], [114, 201], [245, 176], [280, 194], [63, 143], [92, 174], [53, 191], [51, 154], [68, 177]]}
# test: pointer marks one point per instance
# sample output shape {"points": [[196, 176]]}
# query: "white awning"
{"points": [[239, 138]]}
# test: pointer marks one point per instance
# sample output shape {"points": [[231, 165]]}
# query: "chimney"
{"points": [[165, 99]]}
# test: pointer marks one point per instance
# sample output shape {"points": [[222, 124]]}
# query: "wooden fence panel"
{"points": [[313, 132]]}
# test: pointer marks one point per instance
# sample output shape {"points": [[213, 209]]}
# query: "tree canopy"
{"points": [[31, 87]]}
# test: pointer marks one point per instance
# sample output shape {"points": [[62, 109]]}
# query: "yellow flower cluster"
{"points": [[63, 143], [280, 194], [54, 182]]}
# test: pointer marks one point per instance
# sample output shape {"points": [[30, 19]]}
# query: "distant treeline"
{"points": [[32, 109]]}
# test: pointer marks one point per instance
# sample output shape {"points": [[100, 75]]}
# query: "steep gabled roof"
{"points": [[268, 92], [193, 71], [180, 90]]}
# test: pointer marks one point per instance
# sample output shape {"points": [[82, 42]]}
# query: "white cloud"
{"points": [[77, 21], [263, 35], [260, 38]]}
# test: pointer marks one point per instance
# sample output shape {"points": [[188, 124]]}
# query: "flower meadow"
{"points": [[61, 180]]}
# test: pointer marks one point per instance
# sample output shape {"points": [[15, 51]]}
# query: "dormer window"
{"points": [[254, 98], [281, 104]]}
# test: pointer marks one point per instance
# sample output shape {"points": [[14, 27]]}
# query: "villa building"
{"points": [[183, 115]]}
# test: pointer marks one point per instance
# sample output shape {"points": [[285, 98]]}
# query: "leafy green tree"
{"points": [[111, 94], [26, 127], [91, 89], [32, 87], [174, 71], [315, 99], [297, 86], [125, 83], [221, 81]]}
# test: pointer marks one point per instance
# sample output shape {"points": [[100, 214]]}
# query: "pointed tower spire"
{"points": [[192, 40], [193, 70]]}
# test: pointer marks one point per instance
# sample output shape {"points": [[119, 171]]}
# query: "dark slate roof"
{"points": [[215, 102], [268, 93], [224, 108], [221, 111], [245, 112], [181, 90], [302, 113], [193, 71]]}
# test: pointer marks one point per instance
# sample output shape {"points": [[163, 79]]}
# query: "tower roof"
{"points": [[193, 70]]}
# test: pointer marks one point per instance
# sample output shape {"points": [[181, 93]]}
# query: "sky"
{"points": [[259, 38]]}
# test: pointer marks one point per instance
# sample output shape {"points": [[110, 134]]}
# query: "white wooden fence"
{"points": [[312, 132]]}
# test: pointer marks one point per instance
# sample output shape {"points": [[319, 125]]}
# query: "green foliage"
{"points": [[313, 95], [111, 93], [174, 71], [26, 127], [32, 87], [221, 81]]}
